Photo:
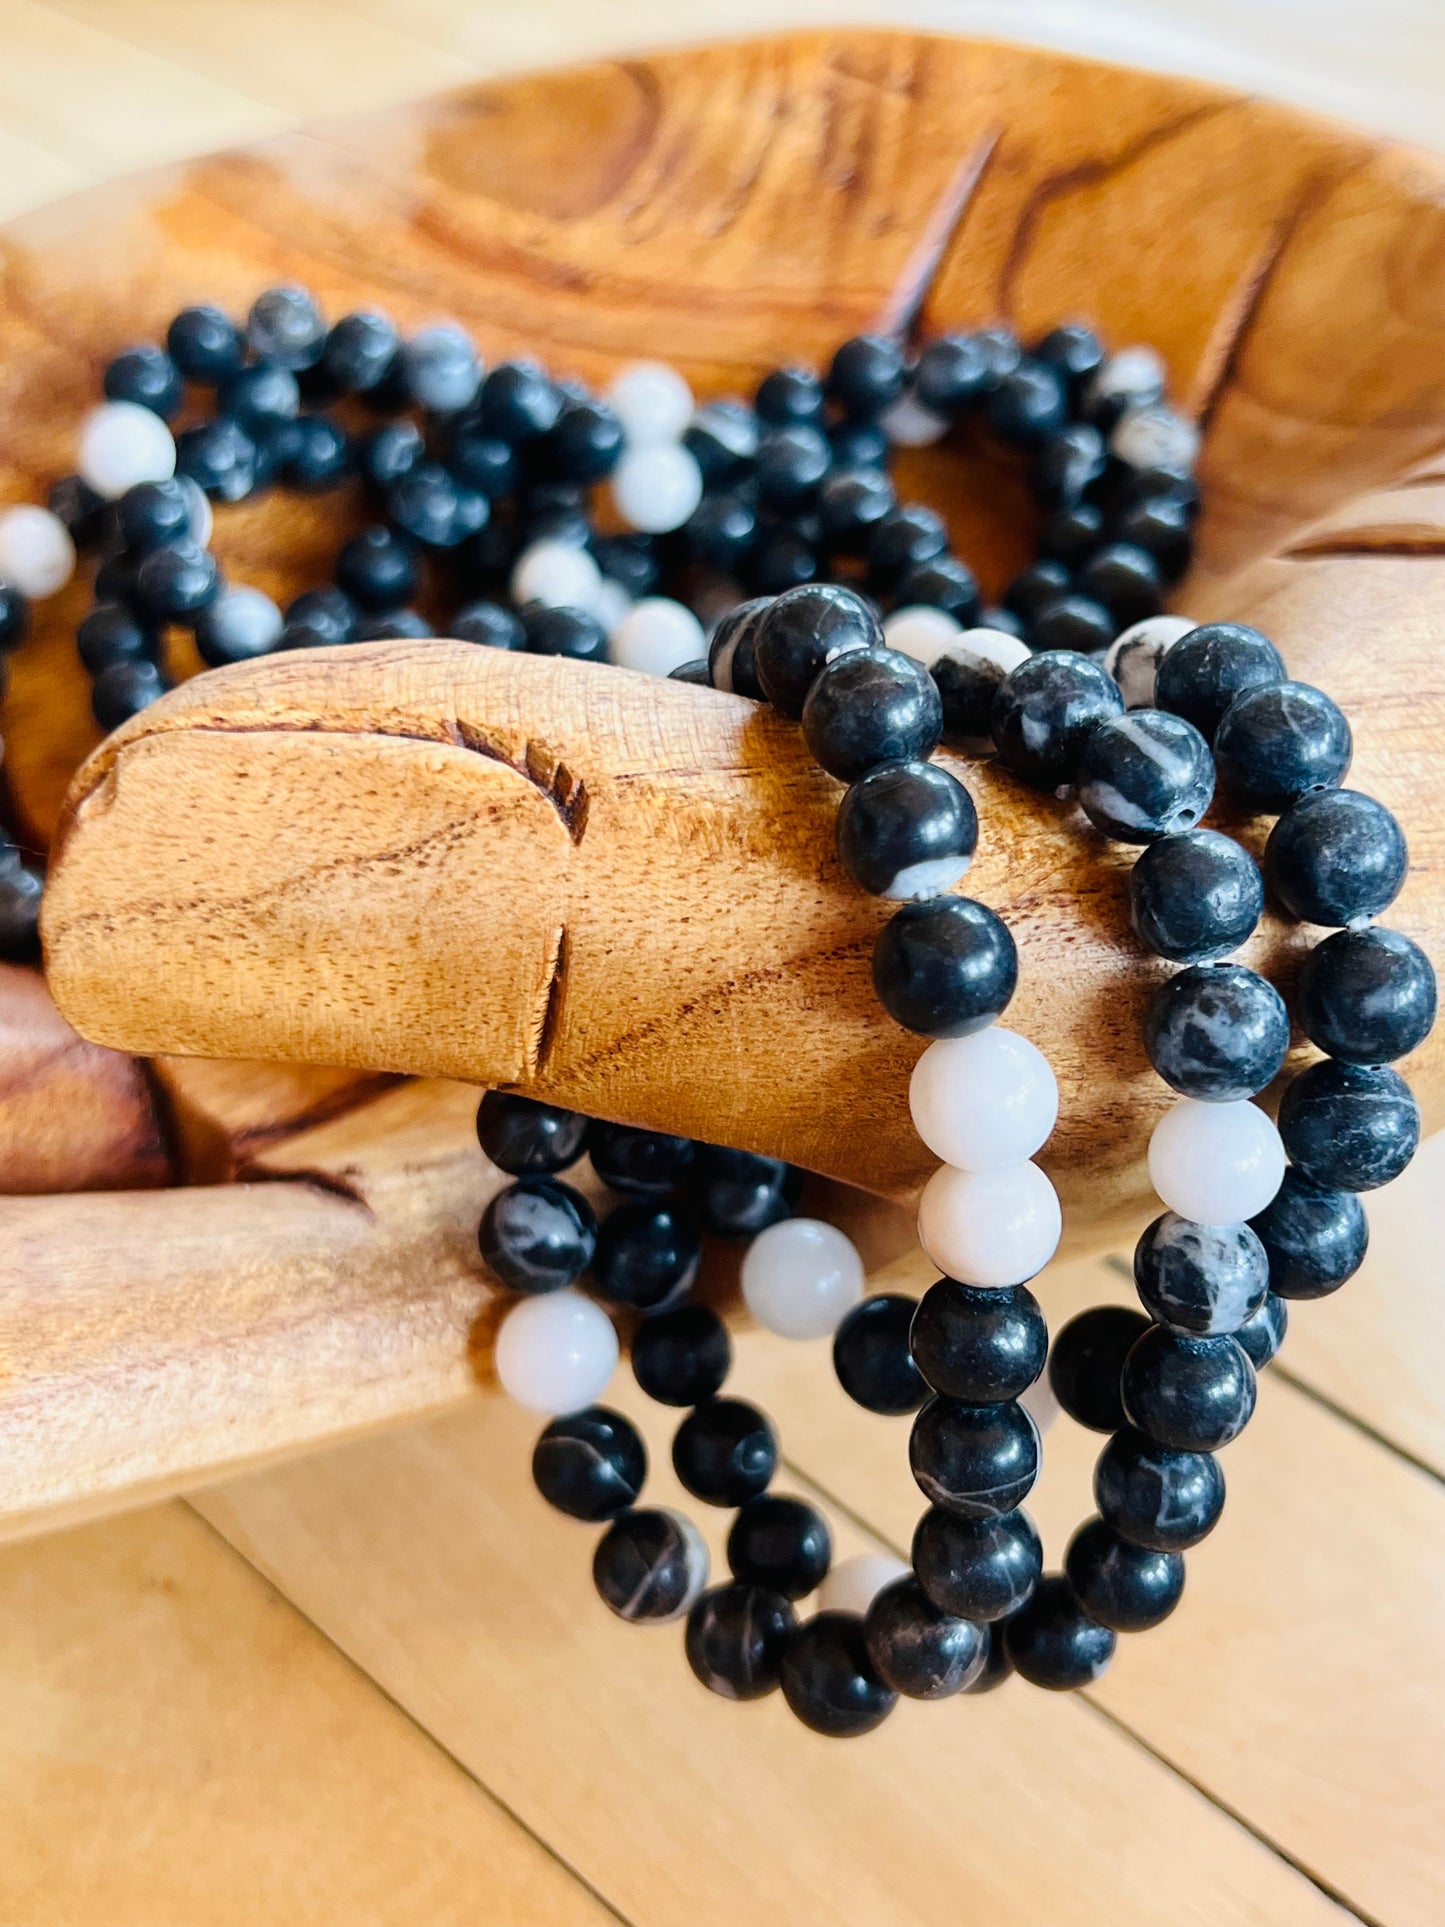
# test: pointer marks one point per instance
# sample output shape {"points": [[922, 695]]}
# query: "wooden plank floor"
{"points": [[374, 1687]]}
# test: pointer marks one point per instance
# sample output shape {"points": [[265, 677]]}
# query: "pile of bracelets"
{"points": [[795, 577]]}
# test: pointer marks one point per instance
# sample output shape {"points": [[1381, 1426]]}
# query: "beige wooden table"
{"points": [[373, 1687]]}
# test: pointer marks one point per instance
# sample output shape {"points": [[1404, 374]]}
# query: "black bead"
{"points": [[153, 515], [942, 582], [538, 1235], [21, 889], [997, 1666], [789, 395], [781, 1544], [979, 1569], [980, 1346], [1163, 527], [1071, 535], [1074, 350], [487, 624], [736, 1638], [1350, 1126], [285, 326], [219, 457], [1366, 996], [1336, 856], [261, 395], [797, 634], [851, 503], [434, 508], [393, 626], [238, 626], [526, 1138], [1125, 1587], [829, 1680], [1028, 405], [1067, 465], [1207, 669], [14, 617], [321, 456], [1086, 1360], [781, 561], [1155, 1496], [738, 1194], [391, 452], [722, 439], [647, 1255], [906, 536], [146, 376], [516, 402], [725, 1452], [872, 1359], [979, 1460], [866, 375], [586, 444], [1217, 1031], [123, 690], [1195, 1394], [1003, 621], [1054, 1643], [631, 560], [360, 351], [205, 344], [858, 445], [866, 707], [327, 613], [968, 679], [590, 1465], [906, 830], [484, 462], [1035, 587], [564, 632], [277, 441], [377, 569], [944, 968], [1261, 1336], [1072, 622], [649, 1564], [694, 673], [1195, 896], [1280, 741], [76, 504], [1045, 712], [175, 583], [1144, 775], [721, 531], [682, 1357], [916, 1649], [113, 633], [643, 1164], [731, 649], [1125, 580], [1315, 1237], [955, 371], [115, 580], [1201, 1278], [791, 464]]}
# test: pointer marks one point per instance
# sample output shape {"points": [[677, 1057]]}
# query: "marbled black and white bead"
{"points": [[1127, 1588], [1134, 657], [1314, 1235], [1277, 742], [1367, 996], [1201, 1278], [1195, 1394], [647, 1255], [977, 1568], [977, 1460], [527, 1138], [801, 631], [1155, 1495], [538, 1235], [1128, 378], [919, 1651], [1217, 1031], [1086, 1360], [969, 671], [650, 1565], [1205, 671], [979, 1346], [869, 707], [737, 1194], [731, 657], [1336, 857], [590, 1464], [1261, 1335], [640, 1164], [1045, 712], [736, 1638], [1054, 1643], [1351, 1126], [906, 831], [1144, 775], [1196, 896]]}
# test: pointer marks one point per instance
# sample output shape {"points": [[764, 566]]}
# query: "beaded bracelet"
{"points": [[498, 480]]}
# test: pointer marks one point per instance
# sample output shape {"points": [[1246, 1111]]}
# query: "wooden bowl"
{"points": [[726, 208]]}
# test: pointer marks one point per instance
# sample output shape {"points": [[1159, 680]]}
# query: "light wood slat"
{"points": [[181, 1748], [429, 1560], [31, 175]]}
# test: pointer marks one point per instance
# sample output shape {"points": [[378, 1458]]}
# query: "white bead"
{"points": [[990, 1227], [992, 647], [652, 401], [1133, 658], [443, 368], [611, 605], [921, 632], [122, 444], [908, 424], [1215, 1163], [556, 1352], [984, 1101], [1040, 1403], [1154, 438], [657, 635], [560, 574], [853, 1584], [656, 489], [37, 556], [203, 520], [801, 1278], [1134, 376]]}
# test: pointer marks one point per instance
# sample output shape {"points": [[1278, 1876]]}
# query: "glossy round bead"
{"points": [[591, 1464], [1335, 857], [572, 633], [1195, 1394], [1315, 1237], [1215, 1163], [781, 1544], [984, 1101], [392, 452], [642, 1164], [978, 1460], [21, 889], [829, 1680], [526, 1138], [652, 401], [361, 351], [1068, 464], [121, 444], [722, 439], [80, 509], [981, 1569], [261, 397], [647, 1255], [1125, 1587], [738, 1194], [1054, 1643], [1163, 527], [731, 653], [969, 670], [906, 831], [1196, 896], [113, 633], [853, 1584], [1027, 405], [240, 624], [442, 368], [220, 458], [322, 455], [1201, 1278], [922, 632], [1145, 775], [945, 968], [434, 509], [326, 615], [1261, 1335], [587, 442], [906, 536], [489, 625], [725, 1452], [1154, 437], [1366, 996], [801, 1277], [1087, 1359], [870, 706], [996, 1667], [37, 554], [990, 1227], [908, 424], [656, 487], [1125, 581], [1205, 671], [650, 1565], [517, 403], [916, 1649], [682, 1357], [285, 326], [1278, 742], [1034, 588], [1155, 1496], [205, 344], [791, 462], [1130, 378], [556, 1353], [736, 1638], [871, 1355], [789, 395], [538, 1235], [656, 636], [393, 626], [154, 514], [1350, 1126], [955, 371], [801, 631], [941, 582], [979, 1346], [1074, 350], [147, 376], [1045, 712], [1217, 1031], [124, 689], [560, 574], [175, 584], [866, 375], [851, 504]]}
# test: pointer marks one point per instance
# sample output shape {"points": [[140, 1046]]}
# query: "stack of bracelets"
{"points": [[1080, 685]]}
